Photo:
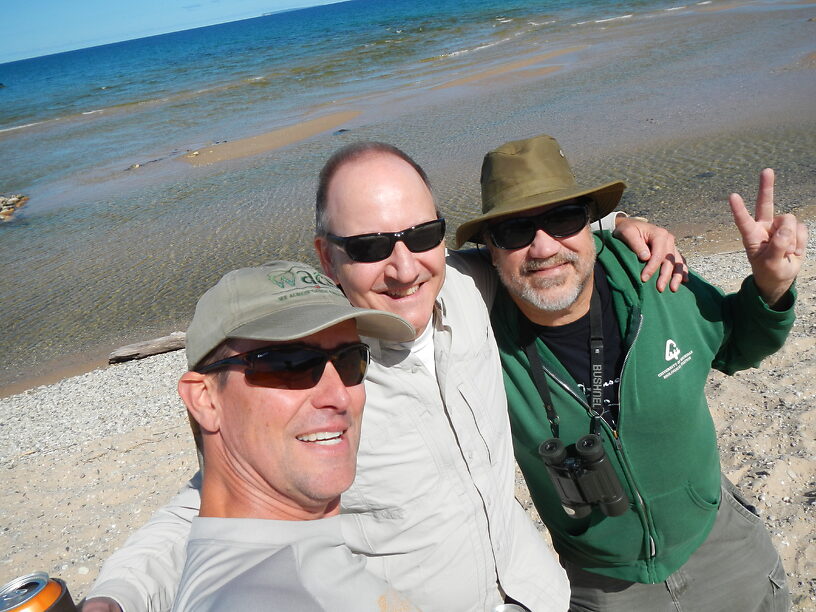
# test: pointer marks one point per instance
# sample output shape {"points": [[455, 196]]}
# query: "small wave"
{"points": [[93, 112], [629, 16], [504, 20], [464, 51], [675, 8], [20, 127], [543, 23], [702, 3]]}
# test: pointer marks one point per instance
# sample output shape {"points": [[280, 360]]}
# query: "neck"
{"points": [[556, 318], [228, 494]]}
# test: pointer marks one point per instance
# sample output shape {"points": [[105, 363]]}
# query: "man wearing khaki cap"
{"points": [[275, 385], [605, 387]]}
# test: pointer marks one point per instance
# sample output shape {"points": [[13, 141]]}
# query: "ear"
{"points": [[198, 392], [323, 248], [489, 247]]}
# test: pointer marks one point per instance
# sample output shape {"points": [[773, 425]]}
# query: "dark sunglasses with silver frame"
{"points": [[367, 248], [560, 222], [297, 366]]}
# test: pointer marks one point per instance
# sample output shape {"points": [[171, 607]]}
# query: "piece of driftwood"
{"points": [[140, 350]]}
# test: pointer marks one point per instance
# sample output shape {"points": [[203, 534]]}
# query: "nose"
{"points": [[330, 392], [543, 245], [402, 266]]}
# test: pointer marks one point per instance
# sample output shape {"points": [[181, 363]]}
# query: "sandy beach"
{"points": [[119, 253], [86, 461]]}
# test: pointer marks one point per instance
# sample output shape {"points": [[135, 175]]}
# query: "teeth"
{"points": [[410, 291], [323, 438]]}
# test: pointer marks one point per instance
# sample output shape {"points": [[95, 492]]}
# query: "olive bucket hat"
{"points": [[527, 174]]}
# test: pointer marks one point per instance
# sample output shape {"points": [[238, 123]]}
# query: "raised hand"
{"points": [[775, 245]]}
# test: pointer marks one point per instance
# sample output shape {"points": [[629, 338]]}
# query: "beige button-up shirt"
{"points": [[433, 503]]}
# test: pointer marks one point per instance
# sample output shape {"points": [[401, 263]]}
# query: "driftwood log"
{"points": [[140, 350]]}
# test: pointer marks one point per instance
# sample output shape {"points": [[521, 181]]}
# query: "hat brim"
{"points": [[606, 198], [305, 320]]}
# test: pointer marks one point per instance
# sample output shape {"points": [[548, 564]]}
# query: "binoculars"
{"points": [[583, 476]]}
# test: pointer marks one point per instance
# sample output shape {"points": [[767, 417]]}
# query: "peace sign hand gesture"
{"points": [[775, 246]]}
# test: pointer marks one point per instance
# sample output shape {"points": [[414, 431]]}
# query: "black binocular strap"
{"points": [[596, 359]]}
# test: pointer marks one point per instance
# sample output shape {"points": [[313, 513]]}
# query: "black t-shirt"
{"points": [[570, 345]]}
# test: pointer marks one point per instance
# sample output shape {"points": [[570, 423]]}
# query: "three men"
{"points": [[275, 378], [432, 505], [594, 358]]}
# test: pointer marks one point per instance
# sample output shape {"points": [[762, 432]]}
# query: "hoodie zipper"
{"points": [[624, 460], [615, 438]]}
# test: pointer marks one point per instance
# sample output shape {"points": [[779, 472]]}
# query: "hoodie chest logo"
{"points": [[672, 350], [675, 359]]}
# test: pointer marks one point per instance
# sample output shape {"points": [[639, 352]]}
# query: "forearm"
{"points": [[755, 328]]}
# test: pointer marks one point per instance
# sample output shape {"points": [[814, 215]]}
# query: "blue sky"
{"points": [[30, 28]]}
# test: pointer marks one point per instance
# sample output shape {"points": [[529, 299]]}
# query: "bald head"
{"points": [[347, 155]]}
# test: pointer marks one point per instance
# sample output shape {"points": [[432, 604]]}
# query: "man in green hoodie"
{"points": [[605, 382]]}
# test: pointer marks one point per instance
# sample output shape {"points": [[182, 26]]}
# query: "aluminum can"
{"points": [[36, 593]]}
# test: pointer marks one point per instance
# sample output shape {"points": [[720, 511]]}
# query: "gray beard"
{"points": [[535, 291]]}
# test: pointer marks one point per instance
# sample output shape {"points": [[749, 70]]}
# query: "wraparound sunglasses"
{"points": [[297, 366], [367, 248], [561, 222]]}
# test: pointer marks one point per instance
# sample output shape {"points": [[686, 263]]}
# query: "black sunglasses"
{"points": [[297, 366], [561, 222], [378, 246]]}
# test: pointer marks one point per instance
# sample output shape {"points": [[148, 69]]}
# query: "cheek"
{"points": [[359, 279], [507, 262], [434, 262]]}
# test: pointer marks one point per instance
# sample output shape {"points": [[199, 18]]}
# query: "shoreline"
{"points": [[695, 238], [721, 241]]}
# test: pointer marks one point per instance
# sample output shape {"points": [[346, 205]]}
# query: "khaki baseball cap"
{"points": [[280, 301], [532, 173]]}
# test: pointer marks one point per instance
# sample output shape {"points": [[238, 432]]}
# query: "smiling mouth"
{"points": [[404, 293], [546, 269], [323, 438]]}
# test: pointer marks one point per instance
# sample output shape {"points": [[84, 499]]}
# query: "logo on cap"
{"points": [[297, 281]]}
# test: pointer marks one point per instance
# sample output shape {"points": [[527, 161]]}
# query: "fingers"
{"points": [[679, 275], [629, 231], [765, 197], [742, 218], [801, 239], [673, 272], [784, 237], [656, 246], [661, 245]]}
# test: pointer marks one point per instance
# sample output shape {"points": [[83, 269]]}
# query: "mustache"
{"points": [[534, 265]]}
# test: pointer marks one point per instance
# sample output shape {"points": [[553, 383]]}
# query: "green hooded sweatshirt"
{"points": [[665, 447]]}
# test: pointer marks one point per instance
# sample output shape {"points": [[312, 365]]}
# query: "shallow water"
{"points": [[684, 110]]}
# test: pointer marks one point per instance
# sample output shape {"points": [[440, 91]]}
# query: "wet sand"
{"points": [[510, 68], [263, 143]]}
